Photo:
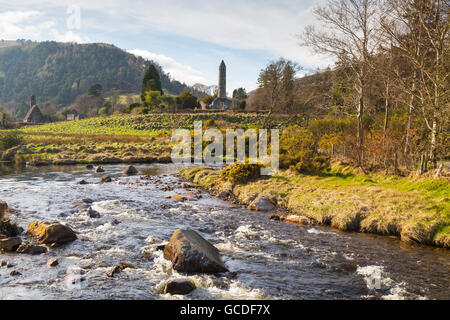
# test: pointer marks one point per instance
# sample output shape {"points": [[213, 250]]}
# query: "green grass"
{"points": [[146, 125]]}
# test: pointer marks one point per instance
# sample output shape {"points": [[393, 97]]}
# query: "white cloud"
{"points": [[252, 25], [26, 25], [12, 24], [269, 25], [177, 70], [68, 36]]}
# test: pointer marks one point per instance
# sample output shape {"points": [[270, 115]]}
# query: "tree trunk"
{"points": [[438, 173], [409, 124], [386, 112], [395, 164], [422, 164], [433, 142], [360, 133]]}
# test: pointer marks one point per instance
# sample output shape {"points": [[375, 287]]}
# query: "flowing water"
{"points": [[272, 260]]}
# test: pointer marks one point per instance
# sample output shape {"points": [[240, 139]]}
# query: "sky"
{"points": [[187, 38]]}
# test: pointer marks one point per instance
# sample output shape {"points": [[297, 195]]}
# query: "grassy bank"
{"points": [[414, 209]]}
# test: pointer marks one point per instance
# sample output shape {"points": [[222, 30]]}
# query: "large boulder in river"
{"points": [[191, 253], [261, 204], [130, 171], [10, 244], [50, 232]]}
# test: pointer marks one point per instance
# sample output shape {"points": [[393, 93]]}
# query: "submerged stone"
{"points": [[10, 244], [31, 249], [261, 204], [131, 170], [106, 178], [180, 286], [53, 262]]}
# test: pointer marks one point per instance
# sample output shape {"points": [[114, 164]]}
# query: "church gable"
{"points": [[34, 116]]}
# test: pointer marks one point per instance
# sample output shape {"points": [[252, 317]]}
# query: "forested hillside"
{"points": [[59, 72]]}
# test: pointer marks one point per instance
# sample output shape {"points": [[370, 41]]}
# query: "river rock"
{"points": [[50, 232], [92, 213], [3, 208], [130, 171], [178, 198], [15, 273], [106, 178], [118, 269], [275, 217], [10, 244], [9, 229], [83, 182], [190, 196], [29, 248], [179, 287], [191, 253], [99, 169], [300, 220], [261, 204], [53, 262], [89, 167]]}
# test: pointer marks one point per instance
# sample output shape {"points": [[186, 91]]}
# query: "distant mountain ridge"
{"points": [[59, 72]]}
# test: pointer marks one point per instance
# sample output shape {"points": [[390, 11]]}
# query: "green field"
{"points": [[121, 138], [147, 125]]}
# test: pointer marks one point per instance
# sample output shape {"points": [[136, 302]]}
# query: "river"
{"points": [[272, 260]]}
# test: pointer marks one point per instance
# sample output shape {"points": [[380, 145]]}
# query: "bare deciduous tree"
{"points": [[349, 32], [420, 30]]}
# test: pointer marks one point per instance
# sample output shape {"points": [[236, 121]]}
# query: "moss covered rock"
{"points": [[50, 232]]}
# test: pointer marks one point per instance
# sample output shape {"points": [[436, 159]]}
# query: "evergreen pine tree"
{"points": [[151, 81]]}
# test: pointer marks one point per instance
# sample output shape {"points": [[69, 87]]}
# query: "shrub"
{"points": [[298, 150], [9, 139], [131, 107], [320, 163], [187, 101], [210, 123], [241, 173], [296, 144]]}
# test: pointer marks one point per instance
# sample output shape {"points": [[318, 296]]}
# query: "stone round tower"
{"points": [[222, 102], [222, 80]]}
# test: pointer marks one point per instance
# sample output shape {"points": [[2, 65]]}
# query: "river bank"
{"points": [[81, 149], [412, 209]]}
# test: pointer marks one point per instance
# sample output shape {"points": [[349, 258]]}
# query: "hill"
{"points": [[59, 72]]}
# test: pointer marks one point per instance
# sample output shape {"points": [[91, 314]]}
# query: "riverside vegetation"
{"points": [[415, 208]]}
